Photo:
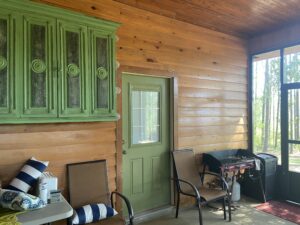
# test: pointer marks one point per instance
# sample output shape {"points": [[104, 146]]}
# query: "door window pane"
{"points": [[145, 117], [266, 103], [291, 64], [294, 157]]}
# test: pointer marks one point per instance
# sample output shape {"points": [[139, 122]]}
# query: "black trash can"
{"points": [[250, 184]]}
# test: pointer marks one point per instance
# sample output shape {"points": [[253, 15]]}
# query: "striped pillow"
{"points": [[28, 175], [92, 213]]}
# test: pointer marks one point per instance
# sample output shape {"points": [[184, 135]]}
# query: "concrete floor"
{"points": [[246, 214]]}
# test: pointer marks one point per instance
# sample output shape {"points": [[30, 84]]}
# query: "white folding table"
{"points": [[52, 212]]}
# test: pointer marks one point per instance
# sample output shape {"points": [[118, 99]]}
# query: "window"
{"points": [[266, 103], [145, 117]]}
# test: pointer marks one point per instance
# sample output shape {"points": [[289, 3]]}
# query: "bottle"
{"points": [[43, 192], [236, 192]]}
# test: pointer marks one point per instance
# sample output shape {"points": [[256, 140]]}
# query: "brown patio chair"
{"points": [[189, 182], [88, 184]]}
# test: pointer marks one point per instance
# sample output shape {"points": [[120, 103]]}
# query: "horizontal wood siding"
{"points": [[211, 69], [57, 143]]}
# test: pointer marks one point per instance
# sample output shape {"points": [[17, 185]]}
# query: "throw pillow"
{"points": [[28, 175], [93, 213], [19, 201]]}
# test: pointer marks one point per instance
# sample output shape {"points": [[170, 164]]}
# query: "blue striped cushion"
{"points": [[28, 175], [92, 213]]}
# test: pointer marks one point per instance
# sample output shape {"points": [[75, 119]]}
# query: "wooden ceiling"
{"points": [[243, 18]]}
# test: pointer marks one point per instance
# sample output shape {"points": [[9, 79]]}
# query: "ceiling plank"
{"points": [[243, 18]]}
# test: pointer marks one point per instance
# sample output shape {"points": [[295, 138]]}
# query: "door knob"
{"points": [[124, 152]]}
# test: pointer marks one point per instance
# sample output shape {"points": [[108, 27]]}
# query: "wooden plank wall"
{"points": [[57, 143], [211, 68]]}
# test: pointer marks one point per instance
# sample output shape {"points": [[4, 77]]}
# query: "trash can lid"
{"points": [[265, 155]]}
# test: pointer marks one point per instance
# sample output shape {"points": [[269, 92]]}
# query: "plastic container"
{"points": [[236, 191], [43, 191]]}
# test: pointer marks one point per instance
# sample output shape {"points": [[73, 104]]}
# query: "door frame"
{"points": [[285, 148], [173, 118]]}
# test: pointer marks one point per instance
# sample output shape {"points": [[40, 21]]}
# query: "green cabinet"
{"points": [[58, 66]]}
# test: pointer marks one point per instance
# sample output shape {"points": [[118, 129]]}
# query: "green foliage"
{"points": [[266, 80], [266, 90]]}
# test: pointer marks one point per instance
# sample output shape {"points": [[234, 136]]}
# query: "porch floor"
{"points": [[246, 214]]}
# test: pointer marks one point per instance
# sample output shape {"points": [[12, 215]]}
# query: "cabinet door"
{"points": [[101, 73], [7, 62], [73, 77], [39, 72]]}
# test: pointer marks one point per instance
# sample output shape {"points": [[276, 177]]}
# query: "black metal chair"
{"points": [[88, 184], [189, 182]]}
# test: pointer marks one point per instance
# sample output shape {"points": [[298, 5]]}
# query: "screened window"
{"points": [[266, 103]]}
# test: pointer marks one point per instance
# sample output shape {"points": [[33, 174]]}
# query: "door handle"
{"points": [[124, 152]]}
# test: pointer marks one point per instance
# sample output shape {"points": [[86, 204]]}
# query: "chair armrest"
{"points": [[219, 176], [127, 202], [190, 184]]}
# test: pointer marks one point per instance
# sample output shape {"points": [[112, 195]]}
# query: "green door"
{"points": [[146, 141]]}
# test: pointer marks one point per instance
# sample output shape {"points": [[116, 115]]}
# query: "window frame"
{"points": [[284, 103]]}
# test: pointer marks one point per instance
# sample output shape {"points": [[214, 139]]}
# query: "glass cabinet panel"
{"points": [[38, 66], [73, 69], [39, 89], [101, 70], [74, 76], [3, 64], [7, 57], [102, 73]]}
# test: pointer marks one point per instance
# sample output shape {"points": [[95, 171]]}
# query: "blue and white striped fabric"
{"points": [[92, 213], [28, 175]]}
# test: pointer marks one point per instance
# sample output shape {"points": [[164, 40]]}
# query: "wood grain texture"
{"points": [[57, 143], [244, 18], [211, 71], [211, 67]]}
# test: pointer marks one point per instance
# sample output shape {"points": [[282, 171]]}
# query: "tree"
{"points": [[266, 110]]}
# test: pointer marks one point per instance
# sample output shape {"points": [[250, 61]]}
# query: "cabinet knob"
{"points": [[124, 152]]}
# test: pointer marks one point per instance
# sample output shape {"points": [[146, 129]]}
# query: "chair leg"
{"points": [[229, 208], [200, 213], [177, 205], [224, 207]]}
